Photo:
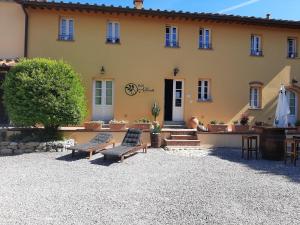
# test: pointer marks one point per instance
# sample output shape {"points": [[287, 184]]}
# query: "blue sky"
{"points": [[279, 9]]}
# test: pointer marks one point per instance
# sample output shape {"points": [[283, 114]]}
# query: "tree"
{"points": [[44, 91]]}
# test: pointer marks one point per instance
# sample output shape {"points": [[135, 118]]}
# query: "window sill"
{"points": [[111, 43], [175, 47], [65, 40], [207, 49], [253, 55], [205, 101], [254, 109]]}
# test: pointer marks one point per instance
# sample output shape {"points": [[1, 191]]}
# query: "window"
{"points": [[113, 33], [109, 92], [256, 47], [172, 37], [98, 93], [292, 48], [203, 90], [205, 39], [254, 97], [66, 29], [292, 103]]}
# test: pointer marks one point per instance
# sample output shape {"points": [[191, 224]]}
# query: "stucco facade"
{"points": [[12, 23], [142, 58]]}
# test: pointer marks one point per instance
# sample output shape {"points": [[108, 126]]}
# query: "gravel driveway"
{"points": [[153, 188]]}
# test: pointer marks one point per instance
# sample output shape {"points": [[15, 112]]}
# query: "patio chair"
{"points": [[97, 144], [130, 145]]}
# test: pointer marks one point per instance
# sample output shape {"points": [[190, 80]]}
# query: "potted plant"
{"points": [[193, 123], [258, 126], [142, 124], [155, 110], [155, 135], [117, 124], [214, 126], [297, 124], [242, 125], [93, 125]]}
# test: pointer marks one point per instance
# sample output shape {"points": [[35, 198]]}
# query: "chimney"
{"points": [[268, 16], [138, 4]]}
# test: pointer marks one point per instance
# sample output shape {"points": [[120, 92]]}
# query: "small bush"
{"points": [[44, 91]]}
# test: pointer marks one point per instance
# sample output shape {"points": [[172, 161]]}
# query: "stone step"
{"points": [[183, 137], [170, 142], [174, 123], [174, 127]]}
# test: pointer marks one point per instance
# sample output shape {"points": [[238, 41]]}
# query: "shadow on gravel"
{"points": [[77, 156], [102, 162], [264, 166]]}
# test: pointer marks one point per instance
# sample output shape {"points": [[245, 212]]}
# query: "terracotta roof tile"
{"points": [[169, 14]]}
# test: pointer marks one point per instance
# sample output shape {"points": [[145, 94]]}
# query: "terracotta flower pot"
{"points": [[193, 123], [155, 140], [217, 127], [117, 126], [239, 128], [142, 126], [93, 126]]}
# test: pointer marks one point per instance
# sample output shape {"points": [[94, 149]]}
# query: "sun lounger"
{"points": [[97, 144], [130, 145]]}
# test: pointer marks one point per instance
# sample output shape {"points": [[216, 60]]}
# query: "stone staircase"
{"points": [[179, 135]]}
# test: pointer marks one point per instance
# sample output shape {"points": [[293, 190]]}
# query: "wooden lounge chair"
{"points": [[97, 144], [130, 145]]}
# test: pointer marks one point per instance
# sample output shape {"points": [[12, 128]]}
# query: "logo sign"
{"points": [[132, 89]]}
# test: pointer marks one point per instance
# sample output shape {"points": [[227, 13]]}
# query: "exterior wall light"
{"points": [[102, 71], [175, 71]]}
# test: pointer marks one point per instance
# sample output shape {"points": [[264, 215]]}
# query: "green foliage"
{"points": [[155, 128], [36, 135], [213, 122], [155, 110], [244, 119], [44, 91], [142, 120], [236, 122], [118, 122]]}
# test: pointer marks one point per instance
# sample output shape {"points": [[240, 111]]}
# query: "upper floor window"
{"points": [[292, 48], [205, 38], [113, 33], [204, 90], [256, 45], [172, 37], [66, 29]]}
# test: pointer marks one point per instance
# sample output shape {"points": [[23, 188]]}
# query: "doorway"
{"points": [[174, 101]]}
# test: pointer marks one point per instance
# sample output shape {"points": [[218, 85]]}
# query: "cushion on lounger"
{"points": [[102, 138], [116, 151], [84, 147], [132, 137]]}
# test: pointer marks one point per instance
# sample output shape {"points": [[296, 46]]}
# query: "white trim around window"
{"points": [[204, 94], [66, 29], [205, 38], [256, 45], [171, 37], [254, 101], [292, 48], [113, 32]]}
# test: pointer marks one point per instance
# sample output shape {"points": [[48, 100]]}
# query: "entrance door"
{"points": [[292, 97], [178, 93], [168, 100], [3, 116], [103, 100]]}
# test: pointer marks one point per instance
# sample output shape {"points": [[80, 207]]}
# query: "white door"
{"points": [[103, 100], [292, 98], [178, 93]]}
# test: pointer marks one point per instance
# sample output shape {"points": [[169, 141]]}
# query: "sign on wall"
{"points": [[132, 89]]}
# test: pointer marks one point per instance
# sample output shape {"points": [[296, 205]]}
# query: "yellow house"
{"points": [[12, 42], [214, 67]]}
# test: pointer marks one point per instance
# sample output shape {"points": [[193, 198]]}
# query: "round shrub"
{"points": [[44, 91]]}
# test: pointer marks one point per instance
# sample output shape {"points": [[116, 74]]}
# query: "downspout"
{"points": [[26, 32]]}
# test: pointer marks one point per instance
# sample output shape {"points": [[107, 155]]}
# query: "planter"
{"points": [[93, 126], [142, 126], [239, 128], [155, 140], [193, 123], [217, 127], [258, 129], [117, 126]]}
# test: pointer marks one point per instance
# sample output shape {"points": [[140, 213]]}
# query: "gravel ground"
{"points": [[153, 188]]}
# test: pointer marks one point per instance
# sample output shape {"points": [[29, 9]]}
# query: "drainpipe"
{"points": [[26, 32]]}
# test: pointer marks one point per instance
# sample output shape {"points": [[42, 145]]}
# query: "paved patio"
{"points": [[216, 187]]}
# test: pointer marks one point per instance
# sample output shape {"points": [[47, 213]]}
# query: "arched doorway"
{"points": [[293, 103]]}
